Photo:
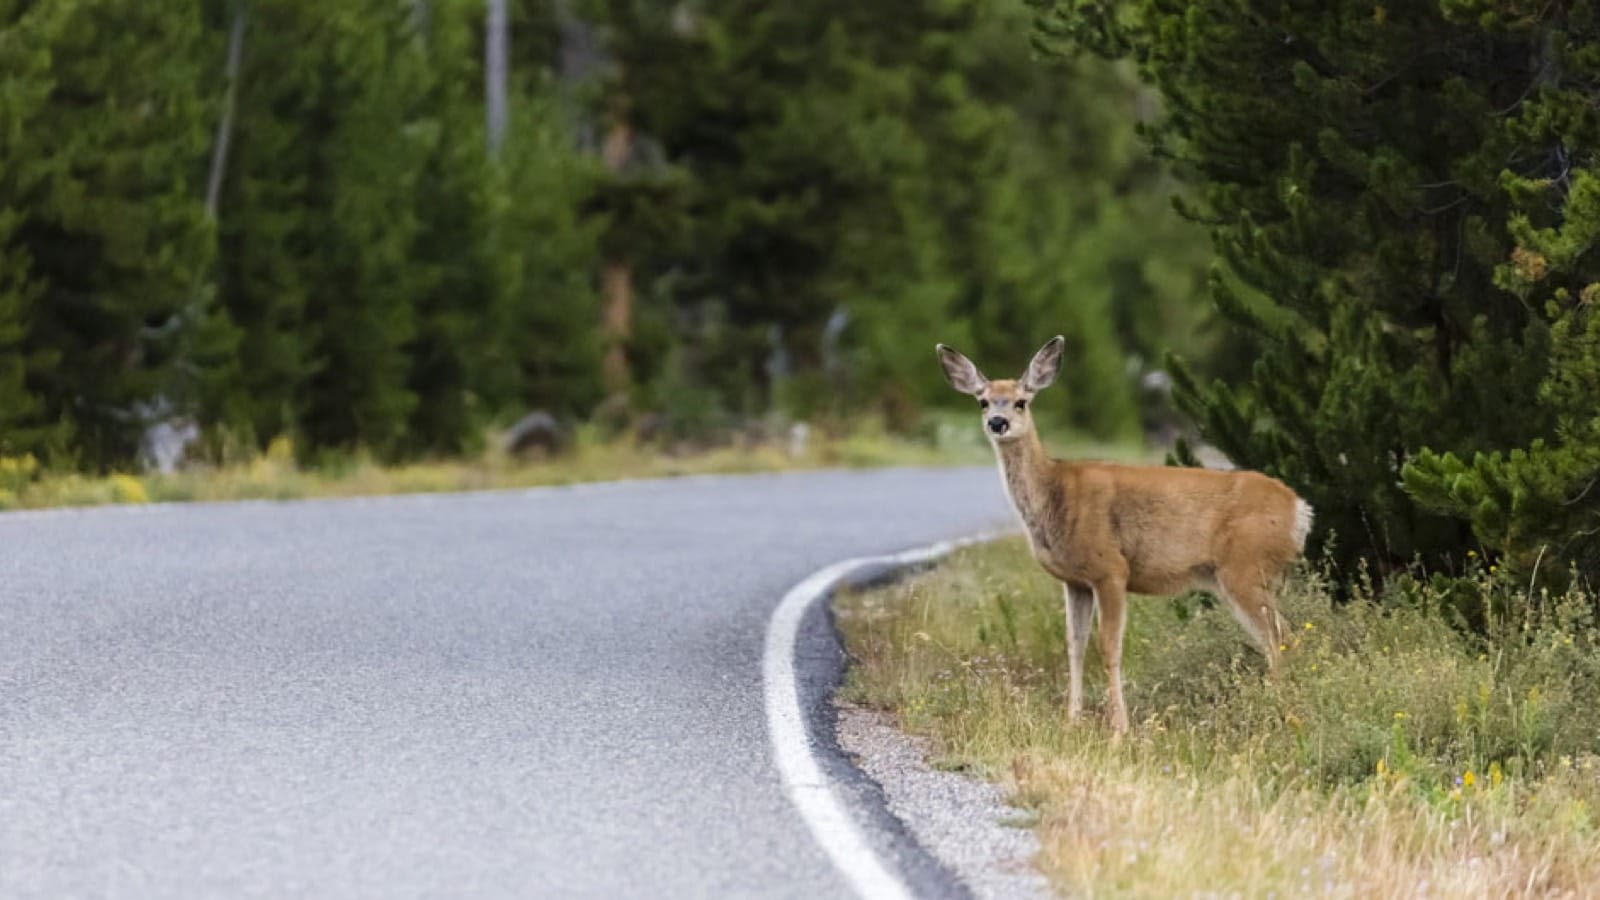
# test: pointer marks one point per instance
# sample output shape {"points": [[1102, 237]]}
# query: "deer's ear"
{"points": [[960, 372], [1046, 363]]}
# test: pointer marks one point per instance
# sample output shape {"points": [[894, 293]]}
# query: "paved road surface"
{"points": [[525, 694]]}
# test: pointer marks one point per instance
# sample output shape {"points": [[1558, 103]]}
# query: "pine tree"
{"points": [[1362, 194], [361, 184], [1537, 504], [107, 213], [547, 251], [1073, 230], [25, 39], [503, 261], [453, 279], [904, 170], [265, 227], [319, 221]]}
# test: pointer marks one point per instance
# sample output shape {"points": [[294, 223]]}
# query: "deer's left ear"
{"points": [[1046, 363]]}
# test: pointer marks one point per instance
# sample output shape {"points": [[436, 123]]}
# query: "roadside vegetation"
{"points": [[1404, 752], [278, 474]]}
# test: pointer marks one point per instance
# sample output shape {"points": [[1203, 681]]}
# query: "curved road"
{"points": [[546, 693]]}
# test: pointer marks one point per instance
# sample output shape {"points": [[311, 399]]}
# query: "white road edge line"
{"points": [[793, 745]]}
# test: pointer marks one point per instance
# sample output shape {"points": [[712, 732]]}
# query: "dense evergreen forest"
{"points": [[1406, 206], [385, 225]]}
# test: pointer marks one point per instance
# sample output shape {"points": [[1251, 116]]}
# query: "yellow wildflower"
{"points": [[1467, 778], [127, 489], [1310, 626]]}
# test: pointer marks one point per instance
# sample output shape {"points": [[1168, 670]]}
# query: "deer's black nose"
{"points": [[999, 425]]}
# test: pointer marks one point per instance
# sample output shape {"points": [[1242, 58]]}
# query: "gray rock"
{"points": [[537, 433], [650, 428], [799, 438]]}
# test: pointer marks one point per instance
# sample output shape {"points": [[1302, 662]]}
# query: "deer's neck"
{"points": [[1025, 467]]}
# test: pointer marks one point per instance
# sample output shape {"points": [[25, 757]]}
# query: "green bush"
{"points": [[1406, 255]]}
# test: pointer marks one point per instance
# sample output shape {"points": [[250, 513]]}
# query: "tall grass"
{"points": [[1398, 755]]}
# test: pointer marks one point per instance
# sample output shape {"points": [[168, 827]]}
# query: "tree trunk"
{"points": [[616, 276], [496, 54], [219, 150], [616, 286]]}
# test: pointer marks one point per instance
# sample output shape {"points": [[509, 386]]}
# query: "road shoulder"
{"points": [[866, 791], [963, 822]]}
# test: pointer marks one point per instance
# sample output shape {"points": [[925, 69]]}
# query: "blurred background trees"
{"points": [[356, 226], [286, 217]]}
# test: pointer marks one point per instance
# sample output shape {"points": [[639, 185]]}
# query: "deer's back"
{"points": [[1171, 527]]}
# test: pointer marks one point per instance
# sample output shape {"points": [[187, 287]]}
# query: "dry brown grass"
{"points": [[1397, 757]]}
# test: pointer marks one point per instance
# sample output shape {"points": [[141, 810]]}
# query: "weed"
{"points": [[1398, 754]]}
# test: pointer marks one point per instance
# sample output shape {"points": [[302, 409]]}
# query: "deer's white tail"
{"points": [[1303, 517]]}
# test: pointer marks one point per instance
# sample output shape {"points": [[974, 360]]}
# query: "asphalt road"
{"points": [[548, 693]]}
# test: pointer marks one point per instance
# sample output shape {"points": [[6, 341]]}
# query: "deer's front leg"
{"points": [[1080, 618], [1112, 597]]}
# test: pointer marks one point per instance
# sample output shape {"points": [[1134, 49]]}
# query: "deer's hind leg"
{"points": [[1251, 593], [1257, 558]]}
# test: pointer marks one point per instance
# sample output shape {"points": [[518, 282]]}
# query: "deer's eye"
{"points": [[983, 404], [1022, 405]]}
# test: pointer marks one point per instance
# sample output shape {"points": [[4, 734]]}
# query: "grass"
{"points": [[275, 474], [1397, 756], [945, 439]]}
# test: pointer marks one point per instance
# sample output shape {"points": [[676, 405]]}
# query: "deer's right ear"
{"points": [[960, 372]]}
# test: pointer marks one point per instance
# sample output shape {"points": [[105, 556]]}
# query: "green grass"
{"points": [[275, 474], [945, 439], [1396, 756]]}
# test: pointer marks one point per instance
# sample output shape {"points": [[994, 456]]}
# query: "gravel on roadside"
{"points": [[962, 821]]}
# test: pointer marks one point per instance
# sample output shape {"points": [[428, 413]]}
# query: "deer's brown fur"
{"points": [[1104, 529]]}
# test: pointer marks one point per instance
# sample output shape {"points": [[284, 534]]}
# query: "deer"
{"points": [[1105, 529]]}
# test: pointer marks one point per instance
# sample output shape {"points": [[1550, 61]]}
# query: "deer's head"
{"points": [[1004, 405]]}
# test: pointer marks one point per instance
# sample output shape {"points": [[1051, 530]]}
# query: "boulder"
{"points": [[537, 433]]}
